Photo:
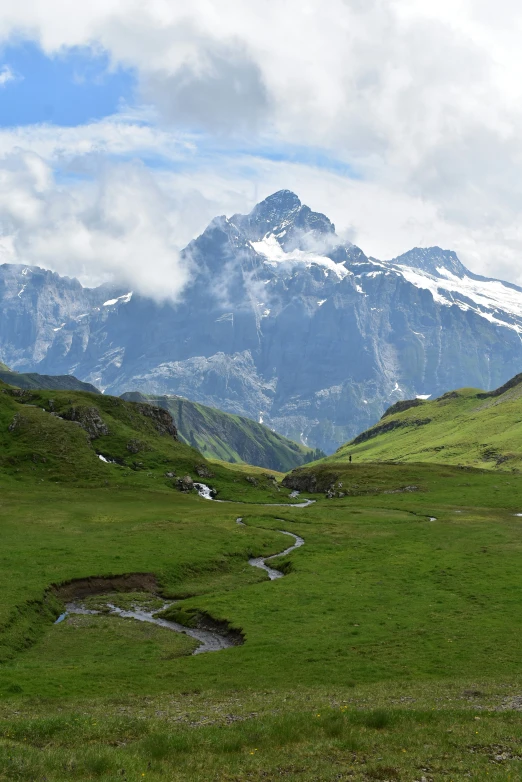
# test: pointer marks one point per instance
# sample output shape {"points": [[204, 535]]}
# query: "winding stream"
{"points": [[260, 562], [210, 641]]}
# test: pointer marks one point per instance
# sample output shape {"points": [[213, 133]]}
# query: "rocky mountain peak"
{"points": [[269, 215], [434, 261], [281, 201], [294, 225]]}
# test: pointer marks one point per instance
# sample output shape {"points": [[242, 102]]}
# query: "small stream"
{"points": [[260, 562], [210, 641], [208, 494]]}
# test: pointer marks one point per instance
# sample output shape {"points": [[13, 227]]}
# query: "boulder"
{"points": [[203, 471], [185, 484], [135, 446]]}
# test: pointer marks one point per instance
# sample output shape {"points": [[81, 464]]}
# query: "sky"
{"points": [[126, 126]]}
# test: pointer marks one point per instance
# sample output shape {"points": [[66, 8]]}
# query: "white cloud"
{"points": [[6, 75], [120, 227], [421, 99], [122, 135]]}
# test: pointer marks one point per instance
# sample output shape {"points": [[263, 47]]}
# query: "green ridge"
{"points": [[466, 427], [35, 380], [228, 437]]}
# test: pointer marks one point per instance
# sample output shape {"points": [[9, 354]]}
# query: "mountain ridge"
{"points": [[227, 437], [215, 434], [80, 439], [281, 321], [52, 382]]}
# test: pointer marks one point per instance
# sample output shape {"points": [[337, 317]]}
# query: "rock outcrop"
{"points": [[89, 419], [162, 420], [389, 427]]}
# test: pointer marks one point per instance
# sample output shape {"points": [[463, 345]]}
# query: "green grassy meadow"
{"points": [[391, 649]]}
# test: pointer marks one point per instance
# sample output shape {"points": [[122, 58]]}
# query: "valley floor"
{"points": [[391, 648]]}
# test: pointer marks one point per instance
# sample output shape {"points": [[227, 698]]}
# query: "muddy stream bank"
{"points": [[212, 637]]}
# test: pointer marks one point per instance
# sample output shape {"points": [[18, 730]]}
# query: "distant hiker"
{"points": [[350, 458]]}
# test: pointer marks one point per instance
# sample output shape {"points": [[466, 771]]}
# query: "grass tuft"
{"points": [[377, 719], [159, 746]]}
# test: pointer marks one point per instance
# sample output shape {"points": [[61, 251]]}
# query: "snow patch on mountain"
{"points": [[491, 299], [274, 255], [124, 300]]}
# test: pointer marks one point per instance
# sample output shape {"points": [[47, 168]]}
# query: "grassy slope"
{"points": [[463, 428], [36, 444], [247, 469], [33, 380], [367, 661], [228, 437]]}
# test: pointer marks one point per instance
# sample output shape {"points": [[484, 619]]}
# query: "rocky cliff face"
{"points": [[282, 323]]}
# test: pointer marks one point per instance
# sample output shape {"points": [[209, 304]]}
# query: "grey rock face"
{"points": [[89, 419], [282, 322], [161, 419]]}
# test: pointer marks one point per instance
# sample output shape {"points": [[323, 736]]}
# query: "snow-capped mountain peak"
{"points": [[285, 236], [451, 284], [432, 260], [282, 215]]}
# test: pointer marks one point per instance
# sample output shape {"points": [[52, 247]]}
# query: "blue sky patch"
{"points": [[68, 89]]}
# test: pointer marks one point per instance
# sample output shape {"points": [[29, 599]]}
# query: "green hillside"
{"points": [[390, 647], [34, 380], [216, 434], [95, 440], [466, 427], [231, 438]]}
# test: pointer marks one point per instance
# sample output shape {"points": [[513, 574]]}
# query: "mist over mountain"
{"points": [[281, 321]]}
